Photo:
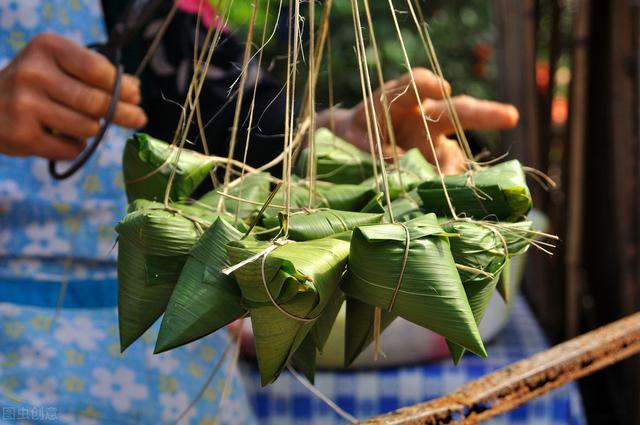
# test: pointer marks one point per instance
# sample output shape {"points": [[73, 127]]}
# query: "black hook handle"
{"points": [[106, 122]]}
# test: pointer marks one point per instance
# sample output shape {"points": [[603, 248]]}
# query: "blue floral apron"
{"points": [[60, 234]]}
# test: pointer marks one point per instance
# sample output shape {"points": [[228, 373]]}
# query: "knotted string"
{"points": [[377, 313], [277, 244], [407, 245]]}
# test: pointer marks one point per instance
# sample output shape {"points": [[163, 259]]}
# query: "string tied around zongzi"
{"points": [[407, 245], [378, 311], [277, 244], [264, 254]]}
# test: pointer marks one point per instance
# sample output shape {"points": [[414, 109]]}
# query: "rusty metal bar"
{"points": [[520, 382]]}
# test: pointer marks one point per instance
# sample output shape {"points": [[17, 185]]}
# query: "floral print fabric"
{"points": [[63, 366], [44, 221], [69, 370]]}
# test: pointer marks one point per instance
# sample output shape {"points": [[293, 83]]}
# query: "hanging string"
{"points": [[368, 99], [367, 113], [292, 67], [427, 43], [199, 120], [252, 107], [423, 114], [407, 246], [370, 106], [386, 107], [319, 49], [182, 121], [311, 175], [377, 331], [197, 82], [286, 164], [244, 73], [332, 115], [316, 392], [216, 368], [155, 43], [277, 244]]}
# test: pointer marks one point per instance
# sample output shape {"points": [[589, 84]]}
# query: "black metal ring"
{"points": [[88, 152]]}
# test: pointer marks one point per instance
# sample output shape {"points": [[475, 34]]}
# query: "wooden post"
{"points": [[574, 168], [516, 23], [611, 201], [516, 52]]}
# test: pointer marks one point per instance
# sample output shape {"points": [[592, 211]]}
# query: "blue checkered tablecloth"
{"points": [[366, 393]]}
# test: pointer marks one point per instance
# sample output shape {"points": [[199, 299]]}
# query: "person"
{"points": [[60, 353]]}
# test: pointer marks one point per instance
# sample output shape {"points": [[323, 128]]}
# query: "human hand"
{"points": [[53, 94], [350, 124]]}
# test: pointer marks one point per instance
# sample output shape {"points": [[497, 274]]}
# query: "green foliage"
{"points": [[462, 32]]}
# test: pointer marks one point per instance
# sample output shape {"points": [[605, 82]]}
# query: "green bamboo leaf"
{"points": [[302, 278], [147, 163], [322, 328], [414, 163], [153, 247], [338, 161], [483, 249], [204, 300], [321, 224], [198, 213], [407, 207], [497, 192], [431, 293], [359, 329], [375, 205], [413, 169], [304, 358], [345, 197], [254, 188], [504, 283]]}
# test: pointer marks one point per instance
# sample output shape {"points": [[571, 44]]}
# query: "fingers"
{"points": [[388, 151], [57, 147], [401, 96], [66, 121], [450, 157], [89, 67], [474, 115], [402, 93], [93, 102]]}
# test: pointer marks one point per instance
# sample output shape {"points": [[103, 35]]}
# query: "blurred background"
{"points": [[572, 69]]}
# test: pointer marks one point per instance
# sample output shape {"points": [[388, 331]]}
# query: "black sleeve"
{"points": [[167, 79]]}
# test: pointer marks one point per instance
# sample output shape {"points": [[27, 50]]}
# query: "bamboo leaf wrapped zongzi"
{"points": [[408, 270], [205, 299], [301, 278], [320, 224], [147, 163], [338, 161], [499, 192], [153, 246]]}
